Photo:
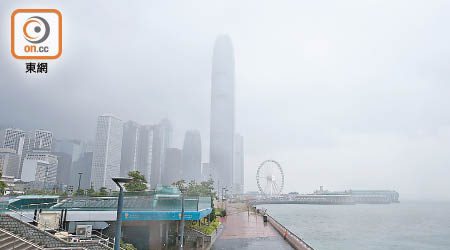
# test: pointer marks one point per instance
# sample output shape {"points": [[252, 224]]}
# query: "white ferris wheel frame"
{"points": [[274, 186]]}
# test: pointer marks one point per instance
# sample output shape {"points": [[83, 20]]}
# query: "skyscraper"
{"points": [[206, 172], [172, 170], [222, 112], [107, 152], [9, 162], [137, 149], [39, 139], [12, 138], [145, 151], [168, 130], [192, 156], [238, 166], [40, 167], [130, 142], [162, 134], [158, 155], [36, 140]]}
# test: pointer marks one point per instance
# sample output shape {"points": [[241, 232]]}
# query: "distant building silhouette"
{"points": [[192, 156], [172, 171], [64, 168], [68, 152], [222, 112], [82, 165]]}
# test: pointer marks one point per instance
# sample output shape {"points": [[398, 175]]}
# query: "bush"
{"points": [[206, 229], [127, 246], [218, 211], [212, 216]]}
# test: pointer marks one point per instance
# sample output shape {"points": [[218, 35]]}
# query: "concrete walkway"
{"points": [[243, 230]]}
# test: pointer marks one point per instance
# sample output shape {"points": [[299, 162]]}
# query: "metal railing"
{"points": [[139, 203], [38, 205], [108, 241], [70, 238], [26, 217], [66, 248], [286, 231], [16, 237]]}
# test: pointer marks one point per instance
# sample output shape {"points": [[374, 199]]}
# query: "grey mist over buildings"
{"points": [[348, 95]]}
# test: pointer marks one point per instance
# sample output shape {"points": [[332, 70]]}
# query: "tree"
{"points": [[181, 185], [3, 185], [205, 188], [80, 192], [103, 192], [138, 183], [127, 246], [91, 191]]}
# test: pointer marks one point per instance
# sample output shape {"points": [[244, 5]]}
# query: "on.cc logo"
{"points": [[36, 29], [36, 34]]}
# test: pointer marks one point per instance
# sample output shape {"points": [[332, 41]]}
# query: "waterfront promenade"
{"points": [[242, 229]]}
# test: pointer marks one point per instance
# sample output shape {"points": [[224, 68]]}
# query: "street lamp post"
{"points": [[226, 190], [182, 218], [118, 181], [182, 222], [223, 189], [79, 181]]}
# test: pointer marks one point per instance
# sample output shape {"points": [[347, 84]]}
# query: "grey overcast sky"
{"points": [[345, 94]]}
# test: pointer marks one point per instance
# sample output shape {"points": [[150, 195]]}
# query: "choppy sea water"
{"points": [[400, 226]]}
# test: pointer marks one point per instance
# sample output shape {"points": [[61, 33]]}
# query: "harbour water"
{"points": [[398, 226]]}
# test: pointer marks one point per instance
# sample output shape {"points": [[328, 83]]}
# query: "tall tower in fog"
{"points": [[222, 112], [238, 166]]}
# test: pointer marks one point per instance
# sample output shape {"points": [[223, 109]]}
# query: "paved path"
{"points": [[247, 231]]}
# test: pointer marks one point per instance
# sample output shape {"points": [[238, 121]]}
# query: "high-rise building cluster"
{"points": [[120, 147], [26, 155]]}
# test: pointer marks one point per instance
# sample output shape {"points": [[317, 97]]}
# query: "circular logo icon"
{"points": [[36, 29]]}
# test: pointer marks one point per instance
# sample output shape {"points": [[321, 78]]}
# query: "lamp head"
{"points": [[119, 180]]}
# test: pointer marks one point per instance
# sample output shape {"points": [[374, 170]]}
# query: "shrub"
{"points": [[206, 229]]}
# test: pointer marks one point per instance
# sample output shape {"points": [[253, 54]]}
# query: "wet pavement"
{"points": [[245, 230]]}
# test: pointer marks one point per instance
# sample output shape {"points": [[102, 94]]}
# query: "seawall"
{"points": [[295, 241]]}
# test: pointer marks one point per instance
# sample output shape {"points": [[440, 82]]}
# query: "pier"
{"points": [[349, 197]]}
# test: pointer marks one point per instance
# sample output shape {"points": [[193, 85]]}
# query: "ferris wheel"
{"points": [[270, 178]]}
